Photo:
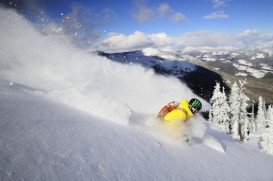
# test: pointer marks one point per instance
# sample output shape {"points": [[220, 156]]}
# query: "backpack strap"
{"points": [[166, 109]]}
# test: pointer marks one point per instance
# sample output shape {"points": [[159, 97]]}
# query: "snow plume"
{"points": [[80, 22], [197, 127], [80, 79]]}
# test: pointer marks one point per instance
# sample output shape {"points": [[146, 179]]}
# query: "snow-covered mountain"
{"points": [[66, 114], [221, 64], [232, 64], [256, 63], [198, 78]]}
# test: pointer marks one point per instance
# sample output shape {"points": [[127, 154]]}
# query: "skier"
{"points": [[177, 114]]}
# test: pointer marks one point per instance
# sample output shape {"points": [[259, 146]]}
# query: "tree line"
{"points": [[230, 114]]}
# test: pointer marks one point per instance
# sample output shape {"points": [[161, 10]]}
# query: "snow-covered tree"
{"points": [[266, 142], [216, 95], [267, 116], [261, 115], [270, 115], [225, 112], [219, 113], [234, 102], [238, 105], [264, 111], [252, 121], [243, 118]]}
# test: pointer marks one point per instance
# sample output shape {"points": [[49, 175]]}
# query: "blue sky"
{"points": [[125, 16], [123, 25]]}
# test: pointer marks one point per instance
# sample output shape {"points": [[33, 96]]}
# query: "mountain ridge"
{"points": [[224, 65]]}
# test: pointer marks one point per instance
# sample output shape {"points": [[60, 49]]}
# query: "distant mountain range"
{"points": [[200, 68]]}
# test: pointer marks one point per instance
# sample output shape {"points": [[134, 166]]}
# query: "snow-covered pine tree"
{"points": [[270, 115], [264, 111], [214, 98], [214, 114], [267, 116], [243, 127], [260, 115], [219, 113], [225, 109], [238, 106], [234, 102], [252, 121], [266, 142]]}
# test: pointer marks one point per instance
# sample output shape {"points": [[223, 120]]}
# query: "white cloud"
{"points": [[143, 13], [160, 39], [249, 39], [219, 3], [120, 42], [204, 38], [164, 9], [255, 39], [216, 15], [179, 17]]}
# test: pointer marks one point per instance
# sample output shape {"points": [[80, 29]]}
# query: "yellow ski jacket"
{"points": [[178, 116]]}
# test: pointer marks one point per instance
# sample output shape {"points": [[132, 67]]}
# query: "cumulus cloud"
{"points": [[179, 17], [216, 15], [249, 39], [120, 42]]}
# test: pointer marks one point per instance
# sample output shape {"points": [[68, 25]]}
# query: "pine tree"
{"points": [[261, 115], [266, 142], [225, 109], [267, 116], [234, 102], [243, 118], [264, 107], [252, 121], [270, 115], [219, 113], [238, 106], [214, 100]]}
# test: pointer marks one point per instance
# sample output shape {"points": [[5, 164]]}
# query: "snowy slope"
{"points": [[43, 140], [69, 115]]}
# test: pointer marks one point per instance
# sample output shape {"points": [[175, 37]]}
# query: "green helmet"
{"points": [[195, 105]]}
